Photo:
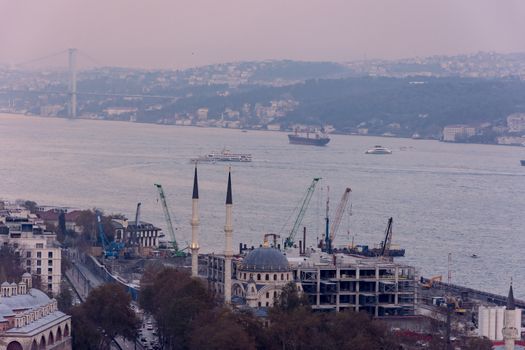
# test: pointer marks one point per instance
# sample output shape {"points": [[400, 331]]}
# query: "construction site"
{"points": [[333, 278]]}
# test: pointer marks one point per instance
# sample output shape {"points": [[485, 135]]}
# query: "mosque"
{"points": [[331, 282], [30, 320]]}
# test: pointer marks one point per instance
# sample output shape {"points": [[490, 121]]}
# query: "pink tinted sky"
{"points": [[184, 33]]}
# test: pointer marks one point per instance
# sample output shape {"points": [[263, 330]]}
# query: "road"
{"points": [[83, 281]]}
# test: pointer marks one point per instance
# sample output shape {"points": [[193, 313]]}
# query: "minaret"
{"points": [[228, 251], [510, 332], [195, 227]]}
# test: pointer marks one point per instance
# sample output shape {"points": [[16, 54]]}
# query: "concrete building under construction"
{"points": [[332, 282]]}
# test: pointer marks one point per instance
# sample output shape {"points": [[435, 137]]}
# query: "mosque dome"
{"points": [[265, 259]]}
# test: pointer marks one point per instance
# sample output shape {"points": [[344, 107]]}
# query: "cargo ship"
{"points": [[317, 139]]}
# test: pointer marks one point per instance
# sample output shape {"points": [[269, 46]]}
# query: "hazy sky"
{"points": [[176, 34]]}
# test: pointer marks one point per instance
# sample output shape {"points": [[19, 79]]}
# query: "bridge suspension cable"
{"points": [[25, 63]]}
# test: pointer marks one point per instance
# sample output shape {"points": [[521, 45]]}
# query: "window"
{"points": [[28, 254], [38, 271], [39, 254], [258, 277], [259, 303], [50, 270], [274, 277], [267, 294], [28, 262], [267, 304], [49, 286], [50, 263], [49, 278], [50, 255], [39, 245], [38, 262], [267, 277], [282, 276]]}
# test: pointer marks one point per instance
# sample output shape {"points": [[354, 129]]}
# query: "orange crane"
{"points": [[338, 216]]}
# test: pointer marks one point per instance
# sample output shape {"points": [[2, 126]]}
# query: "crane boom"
{"points": [[289, 241], [339, 213], [167, 216], [111, 249], [103, 239], [388, 238]]}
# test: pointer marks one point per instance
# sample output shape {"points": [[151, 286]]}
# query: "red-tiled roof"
{"points": [[52, 215]]}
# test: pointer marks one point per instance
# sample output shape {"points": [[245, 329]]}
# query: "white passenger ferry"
{"points": [[224, 156]]}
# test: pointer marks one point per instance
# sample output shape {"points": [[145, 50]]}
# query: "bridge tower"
{"points": [[72, 83]]}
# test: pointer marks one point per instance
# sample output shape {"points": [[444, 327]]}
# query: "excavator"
{"points": [[430, 283]]}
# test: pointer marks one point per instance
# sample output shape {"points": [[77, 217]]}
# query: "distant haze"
{"points": [[185, 33]]}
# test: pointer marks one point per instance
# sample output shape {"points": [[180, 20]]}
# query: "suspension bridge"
{"points": [[72, 91]]}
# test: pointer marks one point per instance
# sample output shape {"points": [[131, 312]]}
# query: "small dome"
{"points": [[26, 274], [5, 284], [265, 259]]}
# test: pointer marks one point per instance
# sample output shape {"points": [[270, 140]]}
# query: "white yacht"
{"points": [[378, 150]]}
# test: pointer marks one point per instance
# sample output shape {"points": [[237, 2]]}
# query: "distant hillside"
{"points": [[416, 104]]}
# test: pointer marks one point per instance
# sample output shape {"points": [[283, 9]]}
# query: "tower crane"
{"points": [[111, 249], [171, 232], [132, 241], [385, 248], [338, 216], [289, 241]]}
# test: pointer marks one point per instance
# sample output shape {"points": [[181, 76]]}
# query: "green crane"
{"points": [[171, 232], [289, 241]]}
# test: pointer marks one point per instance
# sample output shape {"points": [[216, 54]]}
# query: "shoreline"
{"points": [[249, 129]]}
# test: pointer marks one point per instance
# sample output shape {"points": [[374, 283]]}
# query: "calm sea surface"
{"points": [[462, 199]]}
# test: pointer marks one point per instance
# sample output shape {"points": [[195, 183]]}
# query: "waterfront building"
{"points": [[30, 320], [453, 133], [511, 140], [145, 235], [516, 122], [39, 250]]}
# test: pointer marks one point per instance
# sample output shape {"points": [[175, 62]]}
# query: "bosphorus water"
{"points": [[457, 198]]}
